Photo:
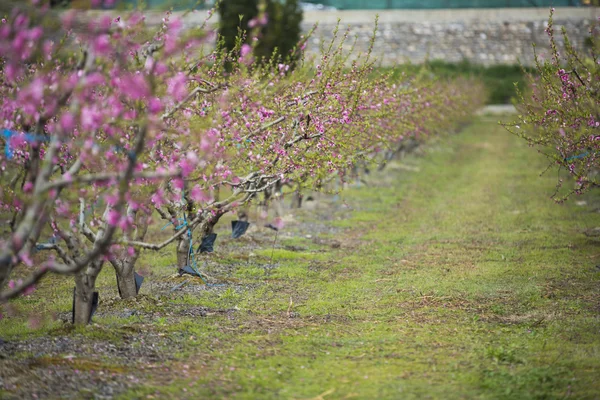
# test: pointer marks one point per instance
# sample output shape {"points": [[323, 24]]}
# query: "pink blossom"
{"points": [[68, 17], [135, 18], [35, 34], [36, 90], [134, 86], [188, 164], [95, 79], [67, 122], [149, 64], [176, 86], [29, 290], [91, 118], [178, 183], [263, 19], [278, 223], [113, 217], [197, 194], [125, 223], [170, 42], [26, 259], [160, 68], [245, 50], [158, 198], [111, 199], [155, 106]]}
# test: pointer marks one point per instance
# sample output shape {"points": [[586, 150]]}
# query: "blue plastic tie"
{"points": [[193, 263], [577, 156], [170, 223], [41, 246], [29, 137]]}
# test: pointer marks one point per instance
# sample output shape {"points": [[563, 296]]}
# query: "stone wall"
{"points": [[486, 37], [483, 36]]}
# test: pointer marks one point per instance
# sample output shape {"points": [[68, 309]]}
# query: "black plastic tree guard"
{"points": [[207, 245], [271, 226], [238, 228], [188, 270], [139, 279]]}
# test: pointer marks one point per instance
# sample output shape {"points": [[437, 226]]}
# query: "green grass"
{"points": [[468, 283], [499, 80], [461, 280]]}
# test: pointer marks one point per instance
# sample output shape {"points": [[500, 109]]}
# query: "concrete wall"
{"points": [[484, 36]]}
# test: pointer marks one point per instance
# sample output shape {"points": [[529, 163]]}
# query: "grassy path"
{"points": [[454, 277], [467, 282]]}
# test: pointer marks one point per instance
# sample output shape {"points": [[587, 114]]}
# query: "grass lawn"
{"points": [[451, 274]]}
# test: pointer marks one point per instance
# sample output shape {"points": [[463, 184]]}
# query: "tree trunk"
{"points": [[207, 227], [278, 202], [297, 198], [126, 278], [278, 205], [263, 206], [83, 298], [183, 250], [5, 274], [125, 263]]}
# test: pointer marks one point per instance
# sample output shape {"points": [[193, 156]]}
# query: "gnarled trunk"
{"points": [[83, 301], [126, 277], [183, 250], [125, 263]]}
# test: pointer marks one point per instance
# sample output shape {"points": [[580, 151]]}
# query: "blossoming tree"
{"points": [[106, 128], [560, 115]]}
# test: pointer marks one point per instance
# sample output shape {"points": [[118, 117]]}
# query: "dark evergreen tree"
{"points": [[230, 12], [282, 31]]}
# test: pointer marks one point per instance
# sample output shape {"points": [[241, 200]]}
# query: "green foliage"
{"points": [[279, 35], [500, 81], [234, 17]]}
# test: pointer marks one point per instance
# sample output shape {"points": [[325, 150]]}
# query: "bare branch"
{"points": [[264, 128], [59, 250], [153, 246], [187, 98], [103, 177]]}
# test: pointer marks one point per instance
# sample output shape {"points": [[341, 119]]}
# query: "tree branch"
{"points": [[103, 177], [187, 98]]}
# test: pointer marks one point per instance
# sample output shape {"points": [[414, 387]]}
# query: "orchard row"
{"points": [[560, 111], [109, 128]]}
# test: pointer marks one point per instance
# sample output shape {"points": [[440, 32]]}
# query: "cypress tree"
{"points": [[230, 12], [282, 31]]}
